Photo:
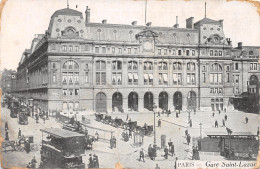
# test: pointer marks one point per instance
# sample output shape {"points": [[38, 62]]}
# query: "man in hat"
{"points": [[95, 161], [6, 125], [33, 162], [246, 120], [216, 123], [225, 117], [6, 136], [141, 155], [96, 136], [188, 139], [150, 151], [159, 123], [90, 161], [166, 152], [19, 133]]}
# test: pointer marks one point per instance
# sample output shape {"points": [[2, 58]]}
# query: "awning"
{"points": [[165, 77], [150, 76], [130, 76], [135, 76], [146, 76]]}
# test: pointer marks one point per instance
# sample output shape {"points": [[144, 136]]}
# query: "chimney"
{"points": [[239, 45], [176, 25], [149, 24], [87, 12], [104, 21], [189, 23], [221, 23], [134, 23], [229, 41]]}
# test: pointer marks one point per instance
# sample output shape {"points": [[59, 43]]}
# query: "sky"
{"points": [[22, 19]]}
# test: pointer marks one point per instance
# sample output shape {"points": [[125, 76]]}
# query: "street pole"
{"points": [[200, 130], [154, 141]]}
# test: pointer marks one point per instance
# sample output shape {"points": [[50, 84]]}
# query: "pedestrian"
{"points": [[19, 133], [188, 139], [168, 112], [33, 162], [177, 115], [95, 161], [257, 133], [111, 143], [90, 161], [6, 125], [194, 111], [159, 123], [219, 111], [37, 118], [150, 151], [246, 120], [130, 133], [127, 117], [6, 136], [172, 150], [157, 166], [223, 122], [213, 114], [190, 122], [175, 163], [193, 153], [216, 123], [170, 144], [114, 141], [158, 115], [96, 136], [166, 151], [225, 110], [186, 132], [154, 152], [43, 117], [141, 156], [225, 117], [27, 146]]}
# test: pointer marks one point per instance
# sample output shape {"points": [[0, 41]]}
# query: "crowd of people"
{"points": [[93, 161]]}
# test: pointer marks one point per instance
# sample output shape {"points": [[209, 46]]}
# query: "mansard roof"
{"points": [[206, 21], [67, 11]]}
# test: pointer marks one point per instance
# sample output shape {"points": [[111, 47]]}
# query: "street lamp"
{"points": [[154, 108], [229, 131]]}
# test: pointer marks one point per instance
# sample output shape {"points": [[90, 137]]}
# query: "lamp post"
{"points": [[154, 108], [229, 131]]}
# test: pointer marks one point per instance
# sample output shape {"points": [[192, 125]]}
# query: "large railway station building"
{"points": [[77, 64]]}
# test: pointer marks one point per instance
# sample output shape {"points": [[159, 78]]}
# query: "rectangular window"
{"points": [[113, 50], [64, 91], [129, 51], [96, 49], [165, 51], [86, 77], [236, 66], [76, 48], [204, 77], [103, 49], [64, 77], [211, 53], [159, 52], [237, 79], [211, 78], [187, 53], [120, 50], [76, 77], [255, 66], [177, 79], [220, 53], [76, 92], [64, 48], [179, 52], [103, 78], [98, 78], [70, 48], [193, 52], [86, 47], [220, 77], [173, 52], [70, 77], [135, 51], [71, 92], [228, 77], [251, 66]]}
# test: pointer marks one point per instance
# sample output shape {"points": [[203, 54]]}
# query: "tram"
{"points": [[62, 149]]}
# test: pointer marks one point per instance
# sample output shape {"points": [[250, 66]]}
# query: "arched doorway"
{"points": [[177, 100], [101, 102], [117, 101], [133, 101], [163, 100], [148, 101], [191, 100], [252, 103]]}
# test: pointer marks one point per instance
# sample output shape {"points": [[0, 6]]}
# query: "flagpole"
{"points": [[145, 11]]}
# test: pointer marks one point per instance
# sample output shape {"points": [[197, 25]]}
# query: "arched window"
{"points": [[116, 72], [148, 65], [191, 66], [70, 72], [162, 66], [100, 72], [216, 67], [177, 66]]}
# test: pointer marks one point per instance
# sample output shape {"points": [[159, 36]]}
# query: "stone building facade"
{"points": [[101, 67]]}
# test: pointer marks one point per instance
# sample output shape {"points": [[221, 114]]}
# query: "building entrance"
{"points": [[163, 100], [101, 102], [148, 101], [177, 100], [133, 101], [117, 101]]}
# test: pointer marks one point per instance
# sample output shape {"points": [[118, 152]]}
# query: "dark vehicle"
{"points": [[4, 102], [148, 130], [62, 149], [107, 119], [14, 108], [99, 116], [22, 117], [131, 125], [118, 122]]}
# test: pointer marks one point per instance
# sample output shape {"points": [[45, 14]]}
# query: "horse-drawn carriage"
{"points": [[22, 143], [118, 123], [107, 119], [22, 118], [148, 130], [99, 117], [131, 125]]}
